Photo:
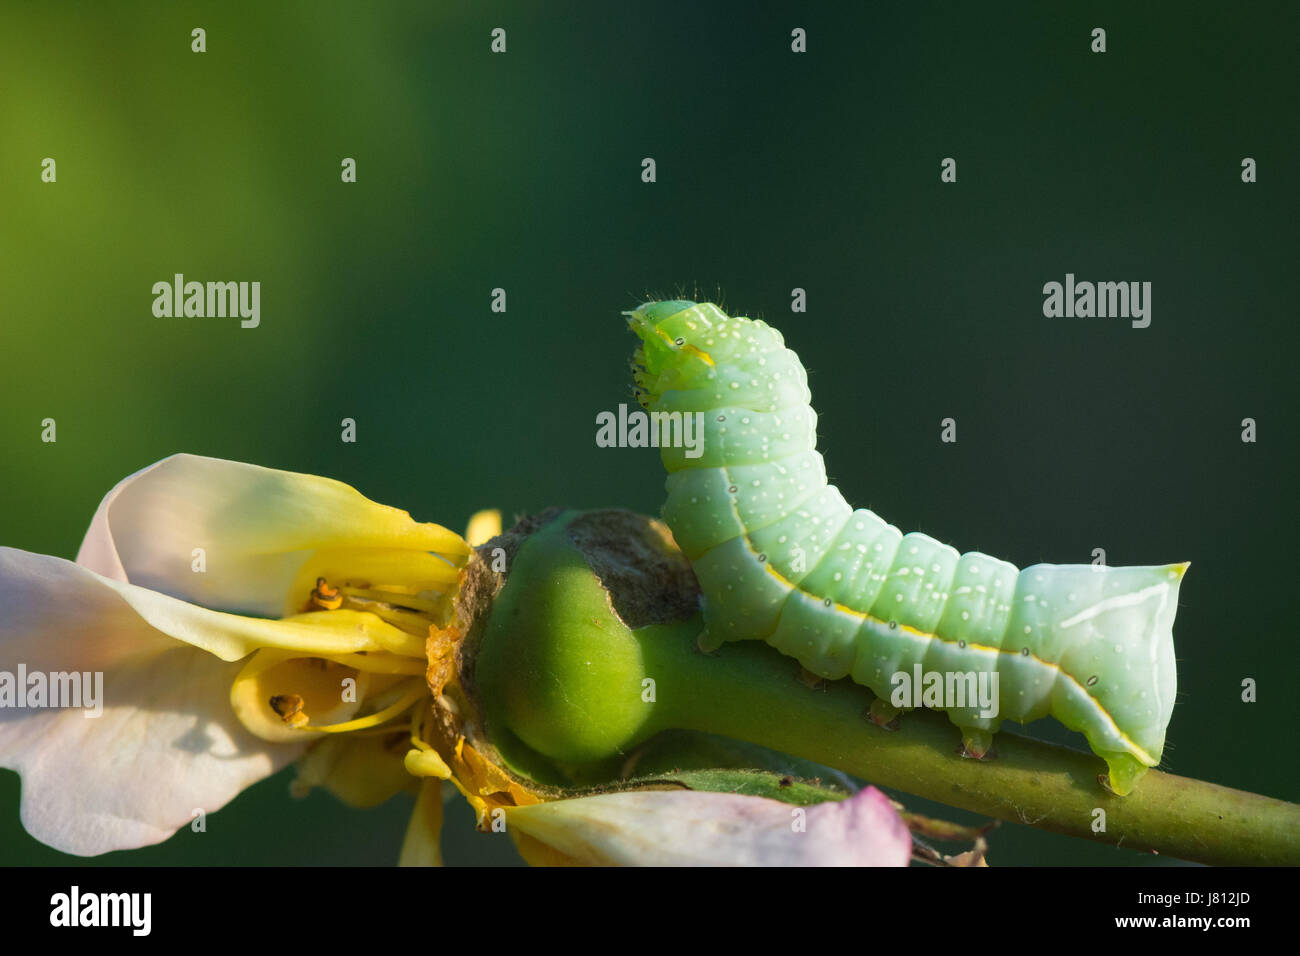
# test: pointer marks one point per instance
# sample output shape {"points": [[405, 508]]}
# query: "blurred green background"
{"points": [[775, 171]]}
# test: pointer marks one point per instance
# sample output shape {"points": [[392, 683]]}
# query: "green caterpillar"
{"points": [[781, 557]]}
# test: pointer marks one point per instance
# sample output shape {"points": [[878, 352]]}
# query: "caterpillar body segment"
{"points": [[782, 557]]}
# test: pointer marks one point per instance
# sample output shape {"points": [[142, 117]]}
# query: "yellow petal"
{"points": [[317, 686], [483, 527], [361, 770], [422, 845]]}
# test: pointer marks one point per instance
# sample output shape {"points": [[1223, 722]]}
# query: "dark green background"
{"points": [[775, 170]]}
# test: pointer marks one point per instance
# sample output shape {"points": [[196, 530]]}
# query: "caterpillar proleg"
{"points": [[781, 557]]}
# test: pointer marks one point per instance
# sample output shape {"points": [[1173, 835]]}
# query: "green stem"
{"points": [[749, 692], [561, 676]]}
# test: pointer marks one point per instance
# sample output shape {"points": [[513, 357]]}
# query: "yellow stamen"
{"points": [[375, 719], [412, 623], [381, 663], [397, 599]]}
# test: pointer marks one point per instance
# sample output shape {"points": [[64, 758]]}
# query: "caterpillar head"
{"points": [[675, 335]]}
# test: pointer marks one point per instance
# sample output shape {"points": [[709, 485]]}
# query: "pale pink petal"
{"points": [[166, 743], [696, 828]]}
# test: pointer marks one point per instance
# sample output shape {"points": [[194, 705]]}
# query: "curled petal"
{"points": [[696, 828], [257, 527]]}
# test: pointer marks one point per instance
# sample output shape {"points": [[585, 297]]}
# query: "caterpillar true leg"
{"points": [[781, 557]]}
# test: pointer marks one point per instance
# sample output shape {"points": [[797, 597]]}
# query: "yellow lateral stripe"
{"points": [[862, 615], [693, 350], [914, 632]]}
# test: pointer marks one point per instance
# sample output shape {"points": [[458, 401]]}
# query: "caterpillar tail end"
{"points": [[1124, 771]]}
